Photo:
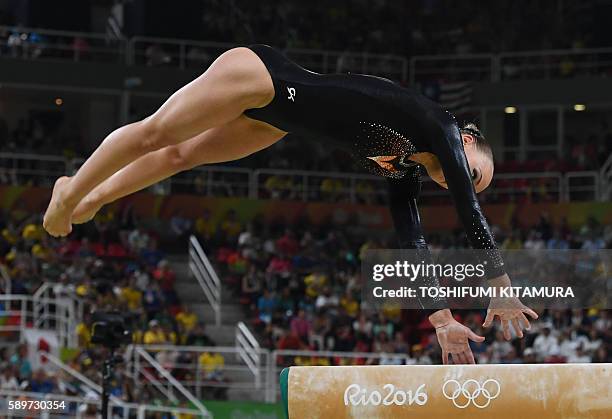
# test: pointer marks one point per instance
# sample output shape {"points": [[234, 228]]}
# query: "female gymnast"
{"points": [[249, 99]]}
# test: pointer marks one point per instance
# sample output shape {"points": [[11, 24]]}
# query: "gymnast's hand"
{"points": [[57, 219], [453, 338], [509, 310]]}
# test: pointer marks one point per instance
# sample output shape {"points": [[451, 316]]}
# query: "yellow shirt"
{"points": [[210, 362], [350, 306], [132, 297], [315, 284], [8, 236], [188, 321], [154, 338], [39, 251], [204, 227], [83, 333], [231, 228], [32, 232]]}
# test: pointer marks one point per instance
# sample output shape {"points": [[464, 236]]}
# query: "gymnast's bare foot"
{"points": [[57, 220], [85, 211]]}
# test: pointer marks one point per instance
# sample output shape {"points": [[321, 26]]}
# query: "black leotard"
{"points": [[381, 124]]}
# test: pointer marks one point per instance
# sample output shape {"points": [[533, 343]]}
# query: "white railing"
{"points": [[59, 318], [142, 356], [47, 44], [466, 67], [213, 181], [582, 186], [222, 181], [22, 168], [5, 280], [605, 179], [511, 65], [249, 351], [184, 364], [206, 276], [33, 43], [50, 311], [169, 52], [76, 407]]}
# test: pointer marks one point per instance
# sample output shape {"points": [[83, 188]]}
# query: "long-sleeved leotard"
{"points": [[382, 124], [403, 196]]}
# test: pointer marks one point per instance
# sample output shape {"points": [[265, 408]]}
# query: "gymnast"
{"points": [[249, 99]]}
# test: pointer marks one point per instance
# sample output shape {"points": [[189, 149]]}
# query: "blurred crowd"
{"points": [[110, 265], [300, 287], [303, 289], [410, 28], [422, 27]]}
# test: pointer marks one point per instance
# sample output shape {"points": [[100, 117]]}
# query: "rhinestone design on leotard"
{"points": [[383, 151]]}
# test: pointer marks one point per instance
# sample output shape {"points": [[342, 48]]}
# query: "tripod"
{"points": [[107, 376]]}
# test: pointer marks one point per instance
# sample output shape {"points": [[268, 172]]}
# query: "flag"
{"points": [[455, 97]]}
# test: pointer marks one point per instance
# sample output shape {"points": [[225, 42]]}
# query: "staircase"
{"points": [[191, 294]]}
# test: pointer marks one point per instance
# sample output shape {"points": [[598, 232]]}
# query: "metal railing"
{"points": [[223, 181], [249, 351], [582, 186], [49, 309], [5, 280], [47, 44], [142, 356], [206, 276], [168, 52], [187, 365], [546, 64], [19, 310], [40, 44], [605, 176], [81, 407]]}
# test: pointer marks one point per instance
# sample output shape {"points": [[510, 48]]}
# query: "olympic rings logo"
{"points": [[472, 391]]}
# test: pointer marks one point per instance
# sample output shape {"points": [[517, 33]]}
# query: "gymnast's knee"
{"points": [[176, 159], [154, 135]]}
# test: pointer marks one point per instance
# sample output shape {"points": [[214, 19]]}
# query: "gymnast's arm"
{"points": [[403, 194], [447, 145]]}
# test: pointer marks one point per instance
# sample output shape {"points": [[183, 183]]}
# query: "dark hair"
{"points": [[481, 142]]}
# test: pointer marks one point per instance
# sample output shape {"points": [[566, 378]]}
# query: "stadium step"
{"points": [[230, 313], [223, 335], [189, 291]]}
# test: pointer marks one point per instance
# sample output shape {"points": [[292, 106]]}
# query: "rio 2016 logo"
{"points": [[471, 392], [354, 395]]}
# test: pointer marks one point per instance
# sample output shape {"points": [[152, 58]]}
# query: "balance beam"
{"points": [[454, 391]]}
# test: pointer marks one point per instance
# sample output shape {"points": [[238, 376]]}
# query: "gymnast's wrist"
{"points": [[441, 318], [500, 281]]}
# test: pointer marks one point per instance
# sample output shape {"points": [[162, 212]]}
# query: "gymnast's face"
{"points": [[481, 165]]}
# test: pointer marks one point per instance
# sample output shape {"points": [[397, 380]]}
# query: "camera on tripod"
{"points": [[111, 329]]}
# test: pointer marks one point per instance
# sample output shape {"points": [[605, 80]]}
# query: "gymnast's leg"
{"points": [[235, 140], [236, 81]]}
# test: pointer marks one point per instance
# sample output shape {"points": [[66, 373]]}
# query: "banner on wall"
{"points": [[438, 217]]}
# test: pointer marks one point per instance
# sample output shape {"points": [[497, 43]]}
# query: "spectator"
{"points": [[301, 326], [580, 357], [155, 335], [266, 305], [545, 344], [42, 383]]}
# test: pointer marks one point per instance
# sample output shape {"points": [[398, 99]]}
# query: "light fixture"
{"points": [[59, 101], [579, 107], [510, 109]]}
